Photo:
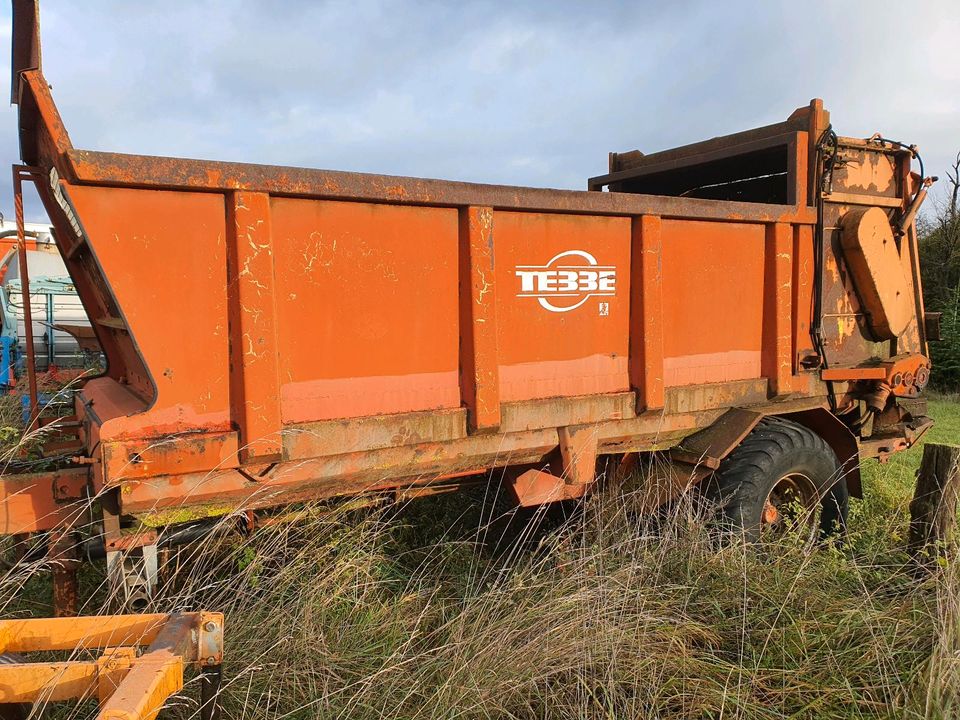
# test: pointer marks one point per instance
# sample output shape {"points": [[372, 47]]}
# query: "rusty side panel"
{"points": [[111, 169], [159, 499], [177, 452], [367, 307], [174, 316], [32, 502], [876, 269], [479, 370], [741, 393], [252, 324], [332, 437], [712, 271], [646, 311], [562, 310]]}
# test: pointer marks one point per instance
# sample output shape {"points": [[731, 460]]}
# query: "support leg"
{"points": [[132, 576], [210, 679], [934, 522], [63, 554]]}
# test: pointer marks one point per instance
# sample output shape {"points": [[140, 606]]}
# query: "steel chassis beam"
{"points": [[141, 665]]}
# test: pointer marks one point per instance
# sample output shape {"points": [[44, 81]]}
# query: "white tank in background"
{"points": [[55, 305]]}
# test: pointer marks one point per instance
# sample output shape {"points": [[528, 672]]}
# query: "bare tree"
{"points": [[940, 243]]}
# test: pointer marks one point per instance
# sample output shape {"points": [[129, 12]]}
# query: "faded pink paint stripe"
{"points": [[711, 367], [561, 378], [328, 399]]}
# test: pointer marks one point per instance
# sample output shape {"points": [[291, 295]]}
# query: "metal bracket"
{"points": [[140, 668], [133, 576]]}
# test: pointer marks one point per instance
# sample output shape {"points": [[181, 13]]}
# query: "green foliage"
{"points": [[10, 435], [939, 242], [945, 354], [940, 257]]}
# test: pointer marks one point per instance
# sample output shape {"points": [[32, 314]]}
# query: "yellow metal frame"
{"points": [[141, 666]]}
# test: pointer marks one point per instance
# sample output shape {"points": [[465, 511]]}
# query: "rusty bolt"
{"points": [[210, 626], [211, 660]]}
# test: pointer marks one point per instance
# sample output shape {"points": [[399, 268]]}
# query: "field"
{"points": [[446, 608]]}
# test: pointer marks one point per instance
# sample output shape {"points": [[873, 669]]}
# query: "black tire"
{"points": [[779, 466], [834, 509]]}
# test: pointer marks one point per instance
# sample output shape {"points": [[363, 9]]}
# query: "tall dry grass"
{"points": [[459, 607], [594, 618], [380, 615]]}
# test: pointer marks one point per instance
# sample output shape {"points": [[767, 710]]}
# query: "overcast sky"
{"points": [[522, 93]]}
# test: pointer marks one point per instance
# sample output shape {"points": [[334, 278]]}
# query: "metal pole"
{"points": [[51, 348], [66, 585], [25, 289], [210, 678]]}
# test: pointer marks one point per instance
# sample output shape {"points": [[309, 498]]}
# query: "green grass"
{"points": [[446, 608], [888, 487], [897, 476]]}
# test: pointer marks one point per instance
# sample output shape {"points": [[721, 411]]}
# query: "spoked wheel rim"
{"points": [[791, 503]]}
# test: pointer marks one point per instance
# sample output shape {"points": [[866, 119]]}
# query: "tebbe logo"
{"points": [[567, 281]]}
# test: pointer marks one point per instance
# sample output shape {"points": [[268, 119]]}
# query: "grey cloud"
{"points": [[523, 93]]}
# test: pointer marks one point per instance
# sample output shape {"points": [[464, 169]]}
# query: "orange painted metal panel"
{"points": [[332, 437], [350, 473], [179, 453], [914, 338], [83, 633], [49, 682], [874, 261], [646, 312], [713, 285], [563, 304], [797, 153], [255, 375], [777, 360], [563, 411], [536, 487], [480, 376], [32, 502], [367, 305], [164, 256], [802, 300]]}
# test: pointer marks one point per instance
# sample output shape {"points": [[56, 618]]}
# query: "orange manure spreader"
{"points": [[748, 307]]}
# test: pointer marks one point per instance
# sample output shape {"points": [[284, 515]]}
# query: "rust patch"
{"points": [[872, 171]]}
